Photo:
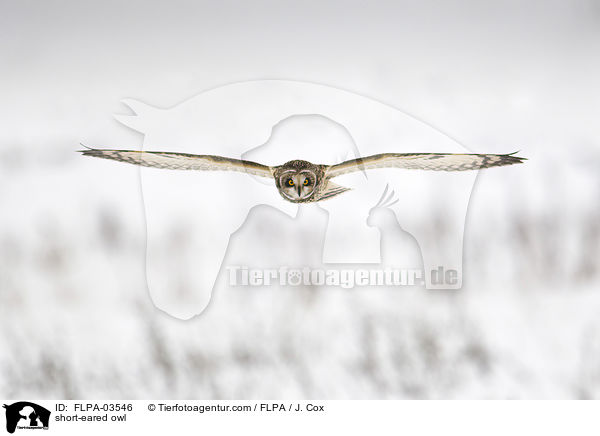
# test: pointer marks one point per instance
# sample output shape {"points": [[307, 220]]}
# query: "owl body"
{"points": [[300, 181]]}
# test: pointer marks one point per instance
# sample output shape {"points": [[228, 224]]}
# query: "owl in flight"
{"points": [[299, 181]]}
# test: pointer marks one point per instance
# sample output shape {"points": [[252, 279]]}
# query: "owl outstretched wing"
{"points": [[424, 161], [181, 161]]}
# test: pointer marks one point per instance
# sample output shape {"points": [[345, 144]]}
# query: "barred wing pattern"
{"points": [[182, 161], [424, 161]]}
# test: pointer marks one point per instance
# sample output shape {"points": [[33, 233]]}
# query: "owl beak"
{"points": [[299, 190]]}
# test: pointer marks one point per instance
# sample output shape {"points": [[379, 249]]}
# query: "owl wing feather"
{"points": [[331, 190], [424, 161], [182, 161]]}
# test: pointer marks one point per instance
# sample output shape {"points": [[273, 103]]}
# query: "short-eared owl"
{"points": [[299, 181]]}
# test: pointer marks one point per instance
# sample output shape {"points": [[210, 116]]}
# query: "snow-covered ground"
{"points": [[76, 320]]}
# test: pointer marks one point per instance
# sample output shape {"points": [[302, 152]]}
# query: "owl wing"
{"points": [[424, 161], [181, 161]]}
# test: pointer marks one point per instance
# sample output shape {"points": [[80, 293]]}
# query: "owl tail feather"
{"points": [[331, 190]]}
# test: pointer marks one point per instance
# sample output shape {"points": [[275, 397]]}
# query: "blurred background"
{"points": [[76, 319]]}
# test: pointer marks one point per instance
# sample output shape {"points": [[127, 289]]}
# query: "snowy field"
{"points": [[76, 319]]}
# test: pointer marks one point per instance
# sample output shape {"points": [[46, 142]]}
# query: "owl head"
{"points": [[298, 180]]}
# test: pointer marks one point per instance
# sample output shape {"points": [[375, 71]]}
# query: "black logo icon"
{"points": [[24, 414]]}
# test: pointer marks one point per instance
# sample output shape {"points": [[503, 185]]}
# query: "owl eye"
{"points": [[306, 182], [290, 182]]}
